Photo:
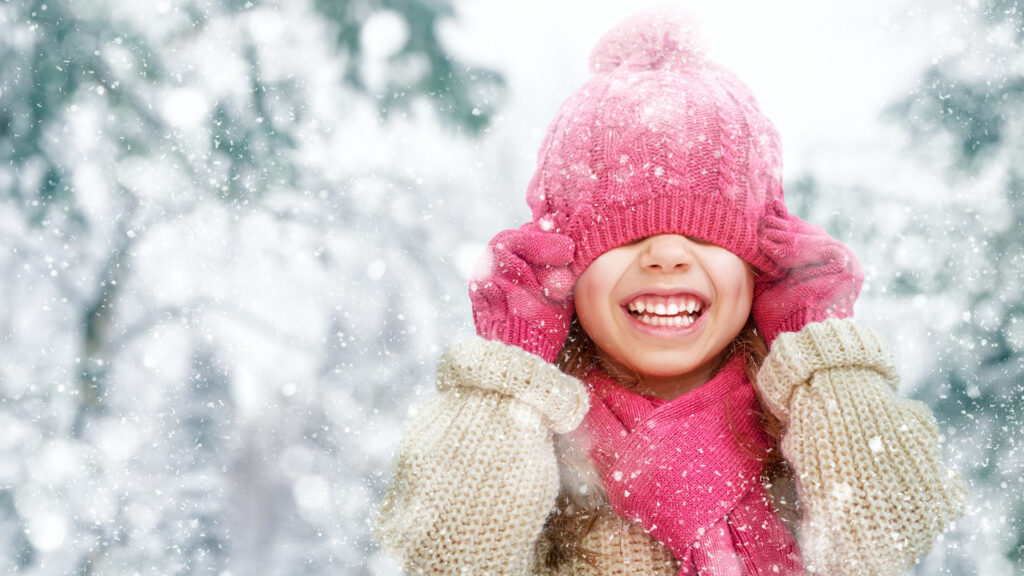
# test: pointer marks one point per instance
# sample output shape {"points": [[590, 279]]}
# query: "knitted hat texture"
{"points": [[660, 140]]}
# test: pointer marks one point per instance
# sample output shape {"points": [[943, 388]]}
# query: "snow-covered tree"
{"points": [[937, 215], [212, 211], [966, 119]]}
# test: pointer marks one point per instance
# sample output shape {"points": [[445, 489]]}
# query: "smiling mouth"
{"points": [[672, 312]]}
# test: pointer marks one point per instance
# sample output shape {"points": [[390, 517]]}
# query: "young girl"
{"points": [[713, 410]]}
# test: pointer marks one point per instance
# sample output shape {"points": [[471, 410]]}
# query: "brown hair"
{"points": [[581, 498]]}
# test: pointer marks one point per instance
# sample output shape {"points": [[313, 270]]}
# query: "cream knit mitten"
{"points": [[873, 489], [476, 476]]}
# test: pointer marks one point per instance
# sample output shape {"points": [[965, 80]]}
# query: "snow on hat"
{"points": [[661, 140]]}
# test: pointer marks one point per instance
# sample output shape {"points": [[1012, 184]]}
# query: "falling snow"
{"points": [[238, 235]]}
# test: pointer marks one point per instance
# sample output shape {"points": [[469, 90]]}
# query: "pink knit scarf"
{"points": [[688, 470]]}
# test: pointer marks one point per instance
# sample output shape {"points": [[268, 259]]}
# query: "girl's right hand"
{"points": [[476, 475], [521, 291]]}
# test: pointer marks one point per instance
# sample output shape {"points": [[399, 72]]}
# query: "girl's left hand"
{"points": [[872, 484], [820, 276]]}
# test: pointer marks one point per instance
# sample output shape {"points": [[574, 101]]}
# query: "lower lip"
{"points": [[665, 331]]}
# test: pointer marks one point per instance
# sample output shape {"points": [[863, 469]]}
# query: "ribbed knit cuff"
{"points": [[796, 322], [833, 343], [511, 371], [517, 332]]}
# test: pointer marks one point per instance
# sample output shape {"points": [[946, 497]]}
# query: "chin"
{"points": [[667, 372], [668, 368]]}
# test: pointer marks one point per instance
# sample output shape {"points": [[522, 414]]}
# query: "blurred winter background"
{"points": [[236, 236]]}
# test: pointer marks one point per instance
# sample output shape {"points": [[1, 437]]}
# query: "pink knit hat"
{"points": [[660, 140]]}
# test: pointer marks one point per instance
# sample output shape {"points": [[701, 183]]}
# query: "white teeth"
{"points": [[676, 321], [661, 309]]}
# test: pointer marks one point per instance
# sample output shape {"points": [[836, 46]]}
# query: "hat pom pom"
{"points": [[662, 38]]}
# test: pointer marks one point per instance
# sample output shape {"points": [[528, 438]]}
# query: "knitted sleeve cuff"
{"points": [[797, 321], [873, 490], [833, 343], [513, 372], [522, 334]]}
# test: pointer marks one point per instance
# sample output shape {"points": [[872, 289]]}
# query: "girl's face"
{"points": [[665, 307]]}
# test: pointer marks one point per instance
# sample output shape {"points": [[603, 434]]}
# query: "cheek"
{"points": [[743, 284], [735, 284], [587, 297], [592, 295], [745, 300]]}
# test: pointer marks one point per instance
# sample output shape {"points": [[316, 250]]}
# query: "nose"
{"points": [[667, 253]]}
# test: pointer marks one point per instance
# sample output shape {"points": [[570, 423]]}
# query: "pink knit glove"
{"points": [[821, 276], [521, 290]]}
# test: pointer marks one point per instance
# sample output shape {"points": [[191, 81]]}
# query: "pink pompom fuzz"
{"points": [[661, 38]]}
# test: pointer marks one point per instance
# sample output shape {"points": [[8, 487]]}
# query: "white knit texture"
{"points": [[475, 476], [873, 489], [516, 373]]}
